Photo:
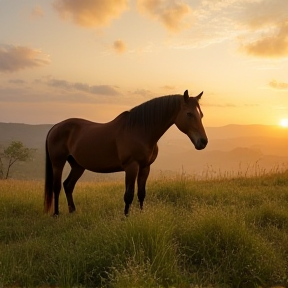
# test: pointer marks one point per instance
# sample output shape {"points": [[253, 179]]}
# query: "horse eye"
{"points": [[189, 114]]}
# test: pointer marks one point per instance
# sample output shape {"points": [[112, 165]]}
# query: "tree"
{"points": [[1, 166], [16, 151]]}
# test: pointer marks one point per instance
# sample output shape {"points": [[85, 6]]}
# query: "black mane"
{"points": [[157, 110]]}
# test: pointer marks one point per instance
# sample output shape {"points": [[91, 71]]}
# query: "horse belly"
{"points": [[106, 170], [99, 158]]}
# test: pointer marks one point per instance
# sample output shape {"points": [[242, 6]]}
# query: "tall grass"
{"points": [[212, 233]]}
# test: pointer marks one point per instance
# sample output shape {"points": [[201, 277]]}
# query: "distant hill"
{"points": [[236, 131], [32, 136], [232, 149]]}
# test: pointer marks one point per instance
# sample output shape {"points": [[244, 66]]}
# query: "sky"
{"points": [[94, 59]]}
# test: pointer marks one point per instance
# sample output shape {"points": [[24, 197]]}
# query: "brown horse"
{"points": [[127, 143]]}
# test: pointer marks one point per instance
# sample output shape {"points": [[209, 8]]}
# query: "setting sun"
{"points": [[284, 123]]}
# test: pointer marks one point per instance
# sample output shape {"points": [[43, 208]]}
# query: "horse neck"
{"points": [[159, 130], [162, 125], [153, 118]]}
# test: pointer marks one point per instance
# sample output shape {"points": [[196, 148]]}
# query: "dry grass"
{"points": [[212, 233]]}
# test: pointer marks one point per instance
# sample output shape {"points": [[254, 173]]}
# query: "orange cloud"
{"points": [[37, 12], [273, 45], [14, 58], [90, 13], [278, 85], [264, 13], [107, 90], [168, 87], [171, 14], [119, 46]]}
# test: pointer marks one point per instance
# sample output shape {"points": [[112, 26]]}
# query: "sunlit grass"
{"points": [[221, 232]]}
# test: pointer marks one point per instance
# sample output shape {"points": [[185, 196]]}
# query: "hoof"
{"points": [[55, 215], [126, 211], [71, 209]]}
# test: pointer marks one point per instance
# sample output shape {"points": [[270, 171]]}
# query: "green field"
{"points": [[213, 233]]}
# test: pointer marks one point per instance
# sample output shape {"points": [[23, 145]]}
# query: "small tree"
{"points": [[1, 166], [16, 151]]}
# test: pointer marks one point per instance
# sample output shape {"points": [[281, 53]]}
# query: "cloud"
{"points": [[168, 87], [119, 46], [263, 13], [15, 58], [278, 85], [37, 12], [47, 90], [62, 84], [267, 34], [16, 81], [81, 87], [105, 90], [259, 26], [143, 93], [34, 95], [272, 45], [90, 13], [170, 13], [226, 105]]}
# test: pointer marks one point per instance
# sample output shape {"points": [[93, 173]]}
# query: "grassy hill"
{"points": [[216, 233]]}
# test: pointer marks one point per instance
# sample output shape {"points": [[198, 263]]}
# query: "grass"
{"points": [[212, 233]]}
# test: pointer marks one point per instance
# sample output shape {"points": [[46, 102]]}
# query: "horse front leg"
{"points": [[130, 177], [141, 182]]}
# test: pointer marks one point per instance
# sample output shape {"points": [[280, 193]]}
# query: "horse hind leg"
{"points": [[57, 175], [69, 184], [57, 162]]}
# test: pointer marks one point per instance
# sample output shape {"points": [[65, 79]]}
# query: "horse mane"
{"points": [[156, 110]]}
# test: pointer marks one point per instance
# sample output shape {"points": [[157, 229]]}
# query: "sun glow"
{"points": [[284, 123]]}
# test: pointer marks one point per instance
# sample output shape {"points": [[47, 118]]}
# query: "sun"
{"points": [[284, 123]]}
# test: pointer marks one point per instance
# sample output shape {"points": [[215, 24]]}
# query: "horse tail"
{"points": [[48, 191]]}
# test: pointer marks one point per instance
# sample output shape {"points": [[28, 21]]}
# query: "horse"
{"points": [[128, 143]]}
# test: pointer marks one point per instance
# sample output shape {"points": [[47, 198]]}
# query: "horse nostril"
{"points": [[204, 141]]}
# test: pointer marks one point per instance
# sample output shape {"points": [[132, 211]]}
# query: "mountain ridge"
{"points": [[229, 147]]}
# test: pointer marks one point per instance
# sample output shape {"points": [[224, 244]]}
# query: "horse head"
{"points": [[189, 120]]}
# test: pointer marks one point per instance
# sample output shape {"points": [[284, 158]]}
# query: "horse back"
{"points": [[67, 131]]}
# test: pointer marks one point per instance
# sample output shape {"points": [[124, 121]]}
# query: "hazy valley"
{"points": [[232, 150]]}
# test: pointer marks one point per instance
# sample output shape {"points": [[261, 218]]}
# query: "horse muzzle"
{"points": [[200, 143]]}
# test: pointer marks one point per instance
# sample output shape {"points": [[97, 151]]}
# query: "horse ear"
{"points": [[199, 96], [186, 96]]}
